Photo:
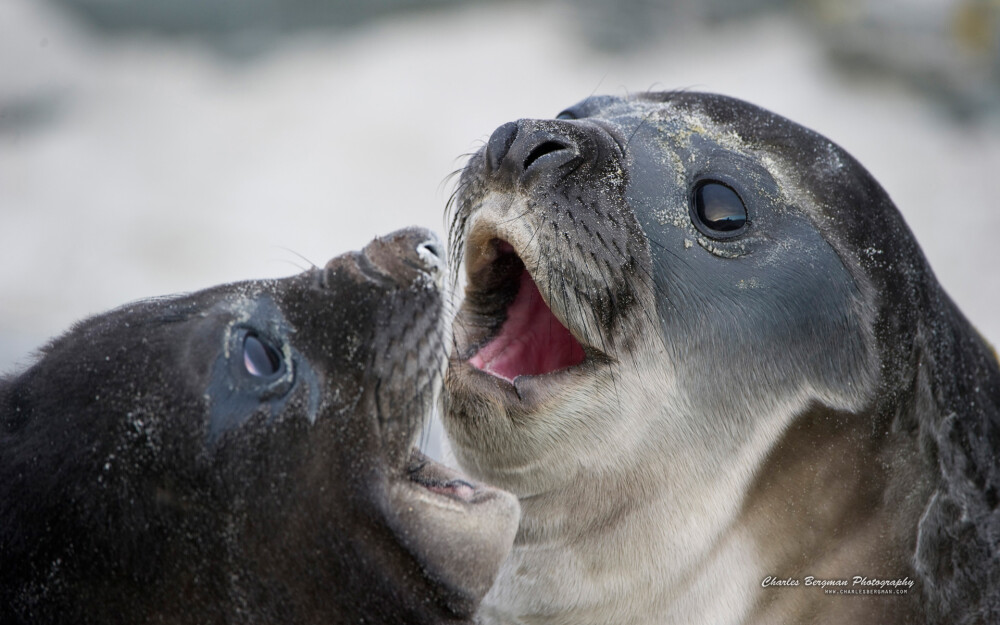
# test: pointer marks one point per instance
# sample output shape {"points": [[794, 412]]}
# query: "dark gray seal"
{"points": [[245, 454], [700, 344]]}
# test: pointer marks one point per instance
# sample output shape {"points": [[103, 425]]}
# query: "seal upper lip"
{"points": [[526, 338]]}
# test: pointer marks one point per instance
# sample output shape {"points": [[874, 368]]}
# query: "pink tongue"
{"points": [[456, 488], [531, 341]]}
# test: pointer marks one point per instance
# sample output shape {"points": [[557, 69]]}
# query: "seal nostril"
{"points": [[499, 144], [547, 147], [431, 253], [430, 246]]}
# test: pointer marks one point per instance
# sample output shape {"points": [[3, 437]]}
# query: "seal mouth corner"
{"points": [[510, 329], [441, 484]]}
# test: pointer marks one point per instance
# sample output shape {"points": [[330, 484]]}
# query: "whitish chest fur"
{"points": [[633, 512]]}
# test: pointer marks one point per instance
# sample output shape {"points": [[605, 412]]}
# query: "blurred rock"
{"points": [[236, 27], [631, 24], [946, 49]]}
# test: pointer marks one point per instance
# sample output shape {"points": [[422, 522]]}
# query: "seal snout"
{"points": [[402, 257], [528, 148], [547, 258], [431, 254]]}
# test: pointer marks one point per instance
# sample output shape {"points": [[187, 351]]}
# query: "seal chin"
{"points": [[430, 496], [512, 330]]}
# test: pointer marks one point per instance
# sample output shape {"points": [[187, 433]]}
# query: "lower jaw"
{"points": [[519, 395], [498, 428], [500, 439]]}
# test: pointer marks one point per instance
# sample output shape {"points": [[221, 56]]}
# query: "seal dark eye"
{"points": [[718, 210], [260, 359]]}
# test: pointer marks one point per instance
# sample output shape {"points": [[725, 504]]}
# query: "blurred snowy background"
{"points": [[151, 147]]}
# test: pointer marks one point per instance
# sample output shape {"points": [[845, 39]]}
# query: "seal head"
{"points": [[247, 454], [701, 345]]}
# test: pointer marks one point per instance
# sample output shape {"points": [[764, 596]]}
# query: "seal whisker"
{"points": [[462, 184], [604, 347], [311, 264], [636, 130], [527, 210], [457, 172], [667, 250]]}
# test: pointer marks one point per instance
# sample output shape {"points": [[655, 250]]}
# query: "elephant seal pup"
{"points": [[246, 454], [702, 347]]}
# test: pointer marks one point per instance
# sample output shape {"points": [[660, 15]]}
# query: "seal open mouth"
{"points": [[523, 336], [441, 480]]}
